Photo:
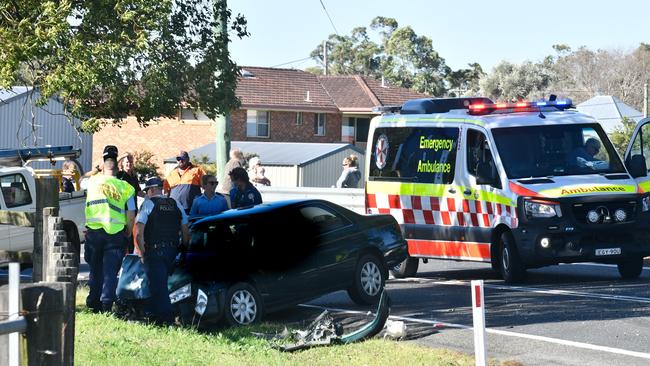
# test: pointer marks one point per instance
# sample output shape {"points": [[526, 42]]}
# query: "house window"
{"points": [[257, 123], [319, 124], [298, 118]]}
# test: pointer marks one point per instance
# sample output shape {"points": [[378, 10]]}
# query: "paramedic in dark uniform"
{"points": [[160, 223]]}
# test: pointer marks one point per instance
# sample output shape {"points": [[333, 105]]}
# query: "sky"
{"points": [[462, 32]]}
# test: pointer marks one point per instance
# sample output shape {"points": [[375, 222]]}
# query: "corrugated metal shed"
{"points": [[292, 164], [609, 111], [51, 126]]}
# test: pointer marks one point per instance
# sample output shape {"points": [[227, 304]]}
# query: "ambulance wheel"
{"points": [[243, 305], [512, 269], [408, 268], [630, 268]]}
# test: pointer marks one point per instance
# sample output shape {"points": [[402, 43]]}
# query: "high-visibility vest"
{"points": [[106, 203]]}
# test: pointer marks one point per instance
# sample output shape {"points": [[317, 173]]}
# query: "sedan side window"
{"points": [[15, 191], [324, 220]]}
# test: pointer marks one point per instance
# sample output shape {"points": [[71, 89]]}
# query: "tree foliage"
{"points": [[622, 135], [108, 59], [509, 81], [144, 165], [401, 56]]}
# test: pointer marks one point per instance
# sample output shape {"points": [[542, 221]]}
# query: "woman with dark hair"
{"points": [[243, 193]]}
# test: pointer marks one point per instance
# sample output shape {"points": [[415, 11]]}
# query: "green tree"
{"points": [[509, 81], [113, 58], [622, 135], [210, 167], [144, 165], [401, 56], [464, 82]]}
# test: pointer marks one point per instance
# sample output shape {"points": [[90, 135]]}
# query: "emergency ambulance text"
{"points": [[435, 144], [435, 167]]}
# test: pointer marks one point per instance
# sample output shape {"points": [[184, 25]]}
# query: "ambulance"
{"points": [[518, 185]]}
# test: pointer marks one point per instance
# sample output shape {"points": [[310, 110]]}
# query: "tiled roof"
{"points": [[286, 89], [349, 92], [283, 89], [391, 95]]}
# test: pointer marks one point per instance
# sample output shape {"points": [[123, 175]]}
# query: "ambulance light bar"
{"points": [[499, 107]]}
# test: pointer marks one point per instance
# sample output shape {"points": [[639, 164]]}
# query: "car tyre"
{"points": [[243, 305], [408, 268], [369, 280], [630, 268], [511, 266]]}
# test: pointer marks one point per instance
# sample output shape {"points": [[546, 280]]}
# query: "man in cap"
{"points": [[184, 182], [110, 210], [160, 223]]}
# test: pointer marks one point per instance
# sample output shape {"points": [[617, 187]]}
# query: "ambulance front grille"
{"points": [[606, 211]]}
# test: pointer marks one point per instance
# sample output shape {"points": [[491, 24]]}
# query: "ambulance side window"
{"points": [[414, 154], [478, 152]]}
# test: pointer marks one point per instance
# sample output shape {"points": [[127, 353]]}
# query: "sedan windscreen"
{"points": [[542, 151]]}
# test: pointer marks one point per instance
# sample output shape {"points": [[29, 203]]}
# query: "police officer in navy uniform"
{"points": [[160, 223], [243, 192]]}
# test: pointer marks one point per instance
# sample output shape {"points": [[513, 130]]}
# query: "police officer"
{"points": [[243, 193], [110, 211], [160, 221]]}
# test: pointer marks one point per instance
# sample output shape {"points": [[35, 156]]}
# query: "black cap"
{"points": [[110, 152], [153, 182]]}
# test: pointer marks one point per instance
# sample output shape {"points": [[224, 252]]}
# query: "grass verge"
{"points": [[105, 340]]}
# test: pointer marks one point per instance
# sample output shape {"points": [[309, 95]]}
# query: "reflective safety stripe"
{"points": [[578, 189], [404, 119], [105, 220], [465, 250], [645, 186], [102, 201], [436, 190]]}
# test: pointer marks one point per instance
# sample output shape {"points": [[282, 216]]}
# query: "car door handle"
{"points": [[467, 192], [451, 190]]}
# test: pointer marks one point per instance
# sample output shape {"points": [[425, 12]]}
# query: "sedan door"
{"points": [[337, 244]]}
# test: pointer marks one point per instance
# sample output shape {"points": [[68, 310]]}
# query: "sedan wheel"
{"points": [[369, 279], [243, 305]]}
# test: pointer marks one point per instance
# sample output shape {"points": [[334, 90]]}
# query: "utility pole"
{"points": [[645, 100], [325, 57], [222, 123]]}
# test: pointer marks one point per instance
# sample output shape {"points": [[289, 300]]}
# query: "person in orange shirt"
{"points": [[184, 182]]}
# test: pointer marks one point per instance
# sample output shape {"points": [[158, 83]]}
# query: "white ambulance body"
{"points": [[519, 185]]}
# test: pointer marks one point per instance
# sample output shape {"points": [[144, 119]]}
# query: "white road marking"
{"points": [[594, 264], [538, 290], [563, 342]]}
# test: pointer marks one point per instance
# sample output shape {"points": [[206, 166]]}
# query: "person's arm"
{"points": [[340, 183], [130, 216], [194, 210], [166, 187], [186, 235], [143, 216]]}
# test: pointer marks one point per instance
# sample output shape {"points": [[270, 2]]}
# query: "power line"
{"points": [[329, 17], [292, 62]]}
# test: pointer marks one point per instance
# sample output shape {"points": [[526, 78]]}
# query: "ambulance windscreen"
{"points": [[414, 154], [543, 151]]}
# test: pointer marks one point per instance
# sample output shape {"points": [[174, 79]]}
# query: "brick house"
{"points": [[278, 105]]}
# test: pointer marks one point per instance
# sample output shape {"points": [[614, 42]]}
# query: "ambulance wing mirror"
{"points": [[486, 174], [636, 166]]}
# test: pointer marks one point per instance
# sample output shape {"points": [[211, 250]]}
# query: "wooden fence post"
{"points": [[47, 195], [43, 304]]}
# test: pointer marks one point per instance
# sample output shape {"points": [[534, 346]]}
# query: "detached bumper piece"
{"points": [[324, 330]]}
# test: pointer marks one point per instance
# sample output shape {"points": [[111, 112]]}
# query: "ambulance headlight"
{"points": [[544, 209]]}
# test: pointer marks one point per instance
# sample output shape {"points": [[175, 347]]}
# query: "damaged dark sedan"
{"points": [[246, 262]]}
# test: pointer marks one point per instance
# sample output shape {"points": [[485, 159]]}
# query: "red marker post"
{"points": [[478, 312]]}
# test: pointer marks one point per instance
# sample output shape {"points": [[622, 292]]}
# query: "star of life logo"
{"points": [[381, 151]]}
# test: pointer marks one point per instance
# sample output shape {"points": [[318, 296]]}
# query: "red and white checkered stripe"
{"points": [[442, 211]]}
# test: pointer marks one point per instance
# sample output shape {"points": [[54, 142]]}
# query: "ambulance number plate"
{"points": [[608, 251]]}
